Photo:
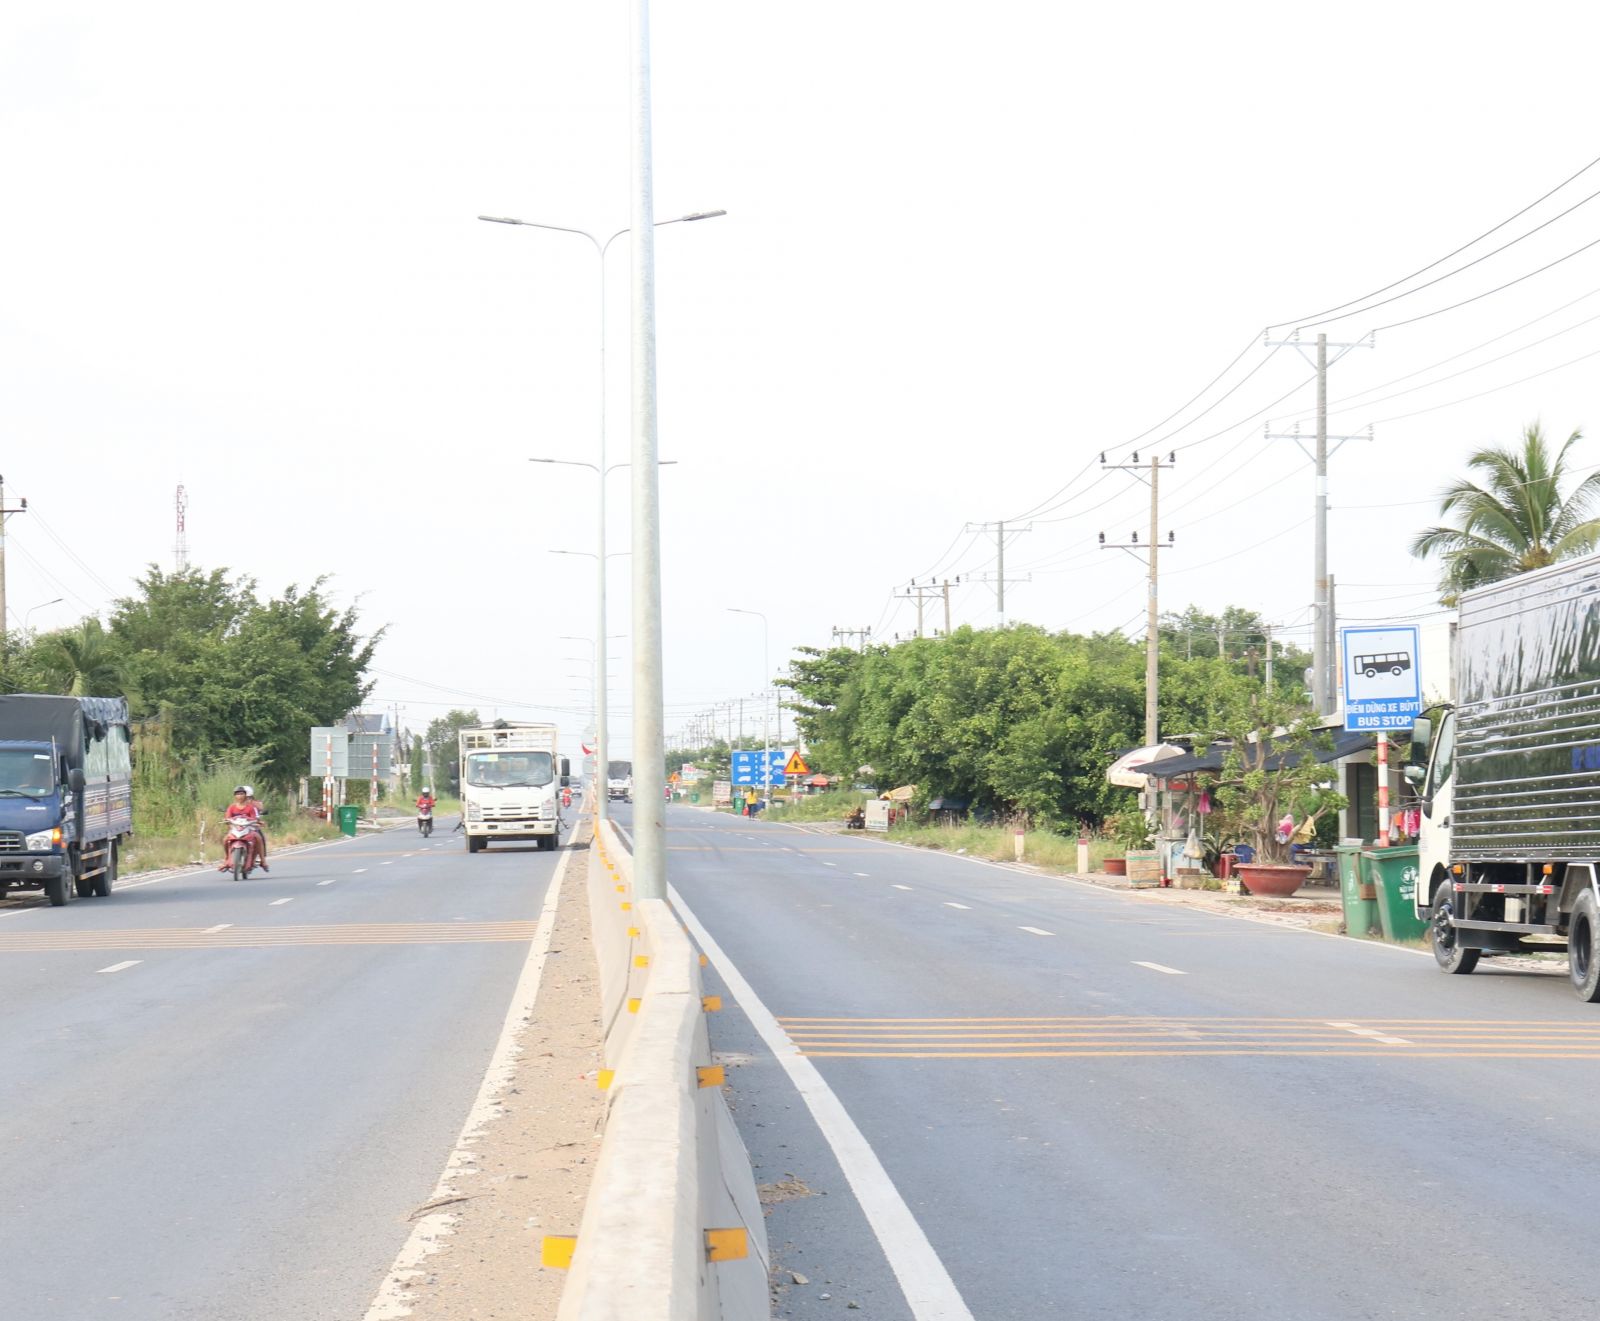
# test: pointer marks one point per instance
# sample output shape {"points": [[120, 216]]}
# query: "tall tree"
{"points": [[441, 742], [1514, 518]]}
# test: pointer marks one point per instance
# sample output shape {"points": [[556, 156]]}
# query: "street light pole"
{"points": [[602, 739], [766, 689], [28, 614]]}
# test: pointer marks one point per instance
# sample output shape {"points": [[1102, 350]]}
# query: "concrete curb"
{"points": [[672, 1165]]}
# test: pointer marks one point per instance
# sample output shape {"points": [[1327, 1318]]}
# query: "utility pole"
{"points": [[1322, 659], [921, 595], [998, 577], [1330, 644], [1268, 631], [1151, 549], [5, 513], [863, 634]]}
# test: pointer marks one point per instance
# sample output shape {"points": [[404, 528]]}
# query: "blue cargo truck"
{"points": [[66, 793]]}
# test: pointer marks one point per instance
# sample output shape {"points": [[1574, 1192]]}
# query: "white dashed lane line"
{"points": [[901, 887], [329, 881], [358, 871], [949, 904], [276, 902], [1038, 931], [861, 874], [221, 926], [120, 967], [1160, 967]]}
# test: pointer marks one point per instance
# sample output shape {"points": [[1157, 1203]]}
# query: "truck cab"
{"points": [[619, 781], [1433, 777]]}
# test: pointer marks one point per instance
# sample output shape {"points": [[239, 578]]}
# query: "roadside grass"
{"points": [[1041, 848], [830, 805]]}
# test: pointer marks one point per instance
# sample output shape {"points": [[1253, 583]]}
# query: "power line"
{"points": [[1302, 321], [1409, 321]]}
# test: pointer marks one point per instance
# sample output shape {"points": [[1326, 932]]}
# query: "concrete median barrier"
{"points": [[672, 1229]]}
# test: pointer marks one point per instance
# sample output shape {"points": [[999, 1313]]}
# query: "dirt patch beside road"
{"points": [[535, 1159]]}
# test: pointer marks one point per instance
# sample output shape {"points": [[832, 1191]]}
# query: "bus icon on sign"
{"points": [[1393, 662]]}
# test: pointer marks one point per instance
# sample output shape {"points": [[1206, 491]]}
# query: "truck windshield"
{"points": [[619, 770], [510, 770], [25, 774]]}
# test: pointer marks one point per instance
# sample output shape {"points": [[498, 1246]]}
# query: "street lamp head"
{"points": [[502, 220], [703, 215]]}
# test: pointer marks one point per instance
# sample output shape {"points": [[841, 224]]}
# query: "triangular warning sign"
{"points": [[796, 765]]}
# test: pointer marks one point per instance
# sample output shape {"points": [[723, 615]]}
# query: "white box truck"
{"points": [[619, 781], [511, 782]]}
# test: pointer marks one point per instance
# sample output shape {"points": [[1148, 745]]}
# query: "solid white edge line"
{"points": [[393, 1300], [1160, 967], [929, 1291], [120, 967]]}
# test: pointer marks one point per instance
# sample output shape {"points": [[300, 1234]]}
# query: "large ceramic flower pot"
{"points": [[1272, 881]]}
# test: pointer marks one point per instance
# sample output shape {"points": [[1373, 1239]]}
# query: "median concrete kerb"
{"points": [[639, 1253]]}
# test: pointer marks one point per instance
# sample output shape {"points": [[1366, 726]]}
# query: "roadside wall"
{"points": [[672, 1164]]}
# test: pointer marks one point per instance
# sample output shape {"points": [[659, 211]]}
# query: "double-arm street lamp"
{"points": [[766, 689], [600, 247]]}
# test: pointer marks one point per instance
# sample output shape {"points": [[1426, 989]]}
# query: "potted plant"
{"points": [[1275, 789], [1130, 831]]}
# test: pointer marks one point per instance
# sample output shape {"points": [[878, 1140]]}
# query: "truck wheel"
{"points": [[84, 885], [1583, 947], [59, 889], [475, 843], [106, 879], [1452, 956]]}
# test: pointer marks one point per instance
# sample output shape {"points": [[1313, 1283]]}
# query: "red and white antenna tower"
{"points": [[180, 549]]}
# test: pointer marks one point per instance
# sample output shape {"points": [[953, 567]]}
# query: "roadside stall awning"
{"points": [[1343, 744], [1129, 771]]}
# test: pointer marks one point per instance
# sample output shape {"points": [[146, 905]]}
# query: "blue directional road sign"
{"points": [[1382, 679], [747, 766]]}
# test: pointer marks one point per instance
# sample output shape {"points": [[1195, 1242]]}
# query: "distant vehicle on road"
{"points": [[511, 779], [1510, 840], [619, 780], [66, 793]]}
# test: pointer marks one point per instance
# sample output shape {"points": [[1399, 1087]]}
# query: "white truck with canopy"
{"points": [[511, 782]]}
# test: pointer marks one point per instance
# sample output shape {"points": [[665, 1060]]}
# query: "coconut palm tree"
{"points": [[1513, 519], [80, 661]]}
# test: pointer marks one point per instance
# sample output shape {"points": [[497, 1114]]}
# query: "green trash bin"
{"points": [[1394, 872], [1360, 914], [349, 814]]}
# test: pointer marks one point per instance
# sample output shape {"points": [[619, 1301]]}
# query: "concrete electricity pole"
{"points": [[922, 594], [1322, 662], [1152, 555], [998, 577], [5, 513], [864, 635]]}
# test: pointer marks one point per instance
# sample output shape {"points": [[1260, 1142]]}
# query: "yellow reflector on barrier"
{"points": [[622, 889], [641, 960], [633, 933], [626, 905], [711, 1003], [602, 1080], [555, 1251], [727, 1244], [704, 960], [712, 1075], [633, 1005]]}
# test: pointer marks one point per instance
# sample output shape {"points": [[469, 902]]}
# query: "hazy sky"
{"points": [[967, 249]]}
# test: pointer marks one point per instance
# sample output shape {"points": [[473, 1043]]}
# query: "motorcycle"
{"points": [[244, 848], [566, 798], [425, 821]]}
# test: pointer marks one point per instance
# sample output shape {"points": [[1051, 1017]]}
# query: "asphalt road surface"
{"points": [[222, 1100], [1095, 1105]]}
